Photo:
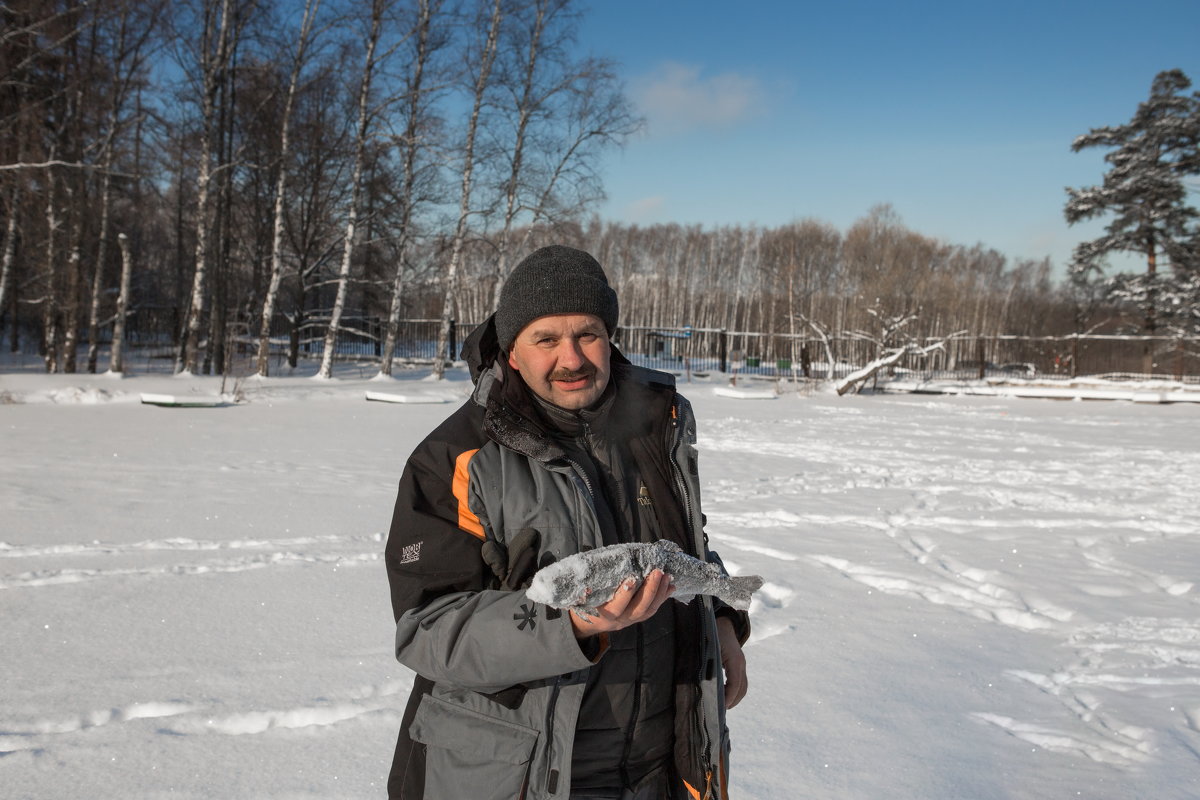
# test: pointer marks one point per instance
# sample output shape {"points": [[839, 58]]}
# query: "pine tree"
{"points": [[1144, 190]]}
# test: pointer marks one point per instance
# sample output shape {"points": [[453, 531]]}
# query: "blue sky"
{"points": [[958, 114]]}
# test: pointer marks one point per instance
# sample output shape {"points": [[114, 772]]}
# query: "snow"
{"points": [[966, 596], [1138, 391]]}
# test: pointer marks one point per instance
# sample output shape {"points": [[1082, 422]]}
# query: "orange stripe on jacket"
{"points": [[466, 520]]}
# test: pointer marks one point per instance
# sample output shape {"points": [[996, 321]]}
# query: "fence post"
{"points": [[979, 354], [1075, 357], [723, 349], [453, 351]]}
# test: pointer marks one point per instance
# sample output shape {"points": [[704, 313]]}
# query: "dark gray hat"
{"points": [[554, 280]]}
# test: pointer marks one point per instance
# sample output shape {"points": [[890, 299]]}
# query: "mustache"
{"points": [[571, 375]]}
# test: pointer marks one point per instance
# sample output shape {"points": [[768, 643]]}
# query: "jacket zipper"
{"points": [[552, 774], [637, 705], [581, 474], [706, 649], [582, 442]]}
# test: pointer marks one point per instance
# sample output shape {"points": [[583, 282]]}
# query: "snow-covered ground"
{"points": [[967, 597]]}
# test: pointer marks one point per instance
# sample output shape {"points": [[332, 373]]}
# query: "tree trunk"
{"points": [[117, 354], [213, 66], [407, 196], [360, 152], [487, 57], [98, 275], [128, 55], [268, 311], [1151, 321], [50, 295], [525, 110], [216, 356], [71, 310], [10, 240]]}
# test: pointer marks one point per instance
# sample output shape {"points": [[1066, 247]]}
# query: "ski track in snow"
{"points": [[183, 718], [979, 495], [1151, 657], [208, 557]]}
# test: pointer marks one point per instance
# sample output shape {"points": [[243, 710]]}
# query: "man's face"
{"points": [[563, 358]]}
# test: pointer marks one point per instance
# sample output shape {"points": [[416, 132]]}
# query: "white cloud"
{"points": [[676, 98], [646, 210]]}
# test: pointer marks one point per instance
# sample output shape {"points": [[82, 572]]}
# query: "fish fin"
{"points": [[740, 590]]}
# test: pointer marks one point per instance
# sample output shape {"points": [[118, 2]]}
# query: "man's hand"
{"points": [[733, 660], [630, 605]]}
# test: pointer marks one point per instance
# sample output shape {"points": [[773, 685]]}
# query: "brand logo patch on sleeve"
{"points": [[410, 553], [527, 616]]}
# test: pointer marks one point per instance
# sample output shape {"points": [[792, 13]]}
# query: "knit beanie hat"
{"points": [[554, 280]]}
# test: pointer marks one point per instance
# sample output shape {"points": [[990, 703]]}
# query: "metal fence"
{"points": [[701, 351], [961, 357]]}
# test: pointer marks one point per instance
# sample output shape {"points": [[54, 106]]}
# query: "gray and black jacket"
{"points": [[485, 500]]}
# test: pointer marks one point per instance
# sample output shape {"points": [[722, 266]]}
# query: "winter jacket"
{"points": [[486, 499]]}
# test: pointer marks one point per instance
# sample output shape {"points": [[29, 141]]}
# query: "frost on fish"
{"points": [[587, 580]]}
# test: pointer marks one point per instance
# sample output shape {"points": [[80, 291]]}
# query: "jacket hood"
{"points": [[481, 348]]}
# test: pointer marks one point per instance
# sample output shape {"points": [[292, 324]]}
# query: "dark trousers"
{"points": [[653, 787]]}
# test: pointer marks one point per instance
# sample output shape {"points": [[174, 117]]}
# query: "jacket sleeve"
{"points": [[450, 627], [740, 619]]}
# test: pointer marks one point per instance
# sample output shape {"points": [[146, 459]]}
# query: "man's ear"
{"points": [[512, 362]]}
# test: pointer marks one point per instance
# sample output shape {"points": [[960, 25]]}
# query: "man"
{"points": [[564, 446]]}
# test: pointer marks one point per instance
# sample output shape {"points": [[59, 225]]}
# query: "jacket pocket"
{"points": [[471, 755]]}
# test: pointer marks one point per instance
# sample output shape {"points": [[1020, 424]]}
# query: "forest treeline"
{"points": [[789, 278], [199, 170], [221, 162]]}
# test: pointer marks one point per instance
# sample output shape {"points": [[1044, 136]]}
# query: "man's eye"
{"points": [[588, 337]]}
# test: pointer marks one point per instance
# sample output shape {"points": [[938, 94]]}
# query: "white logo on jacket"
{"points": [[410, 553]]}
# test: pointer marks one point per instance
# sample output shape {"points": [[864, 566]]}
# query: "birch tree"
{"points": [[486, 57], [586, 113], [304, 39], [215, 49], [127, 61], [413, 143], [529, 97], [362, 131], [313, 226]]}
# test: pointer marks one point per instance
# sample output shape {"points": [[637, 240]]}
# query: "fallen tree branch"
{"points": [[861, 376]]}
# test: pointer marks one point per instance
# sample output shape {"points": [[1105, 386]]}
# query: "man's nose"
{"points": [[570, 355]]}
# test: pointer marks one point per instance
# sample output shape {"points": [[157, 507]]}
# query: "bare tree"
{"points": [[594, 115], [529, 98], [482, 75], [127, 60], [215, 51], [360, 155], [413, 142], [304, 39]]}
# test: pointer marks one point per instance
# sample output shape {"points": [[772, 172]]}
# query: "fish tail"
{"points": [[740, 590]]}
